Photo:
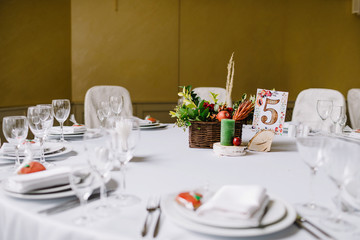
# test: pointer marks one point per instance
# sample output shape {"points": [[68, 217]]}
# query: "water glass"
{"points": [[15, 129], [124, 136], [39, 118], [335, 116], [311, 151], [324, 108], [99, 158], [82, 181], [61, 111], [116, 104]]}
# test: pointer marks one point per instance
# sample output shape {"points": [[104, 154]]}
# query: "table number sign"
{"points": [[270, 110]]}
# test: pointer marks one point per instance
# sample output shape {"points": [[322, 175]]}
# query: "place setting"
{"points": [[231, 211]]}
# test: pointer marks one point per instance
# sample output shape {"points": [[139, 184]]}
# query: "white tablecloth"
{"points": [[165, 164]]}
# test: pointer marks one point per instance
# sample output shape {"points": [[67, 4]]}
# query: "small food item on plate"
{"points": [[190, 200], [357, 130], [148, 117], [31, 167]]}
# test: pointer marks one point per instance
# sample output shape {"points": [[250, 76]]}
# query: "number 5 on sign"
{"points": [[270, 110]]}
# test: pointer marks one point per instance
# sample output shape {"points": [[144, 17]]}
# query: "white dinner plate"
{"points": [[158, 125], [51, 189], [62, 151], [46, 195], [169, 207], [68, 130], [49, 148], [276, 211]]}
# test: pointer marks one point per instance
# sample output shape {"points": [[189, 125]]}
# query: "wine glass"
{"points": [[335, 116], [99, 159], [49, 121], [82, 181], [15, 129], [116, 104], [39, 118], [311, 151], [61, 111], [342, 123], [324, 108], [103, 112], [124, 136], [337, 157]]}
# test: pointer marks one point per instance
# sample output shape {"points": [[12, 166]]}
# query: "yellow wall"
{"points": [[49, 49], [35, 53], [287, 45]]}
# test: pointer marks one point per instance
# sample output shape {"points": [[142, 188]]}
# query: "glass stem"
{"points": [[42, 158], [83, 205], [62, 131], [103, 194], [123, 179], [17, 163], [311, 187]]}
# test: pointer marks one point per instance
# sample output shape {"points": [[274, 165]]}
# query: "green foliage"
{"points": [[191, 109]]}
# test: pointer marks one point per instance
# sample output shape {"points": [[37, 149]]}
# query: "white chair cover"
{"points": [[204, 93], [98, 94], [353, 98], [305, 105]]}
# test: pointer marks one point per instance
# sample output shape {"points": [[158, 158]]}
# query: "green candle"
{"points": [[227, 132]]}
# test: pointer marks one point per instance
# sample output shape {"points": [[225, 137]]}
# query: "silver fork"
{"points": [[152, 204]]}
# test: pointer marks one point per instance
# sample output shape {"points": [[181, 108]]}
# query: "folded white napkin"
{"points": [[28, 182], [143, 122], [243, 203], [9, 149], [68, 129]]}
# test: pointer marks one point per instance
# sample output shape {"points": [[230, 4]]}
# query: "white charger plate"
{"points": [[159, 125], [275, 212], [68, 130], [49, 148], [62, 151], [169, 207]]}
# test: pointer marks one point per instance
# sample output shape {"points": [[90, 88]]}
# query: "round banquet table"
{"points": [[164, 164]]}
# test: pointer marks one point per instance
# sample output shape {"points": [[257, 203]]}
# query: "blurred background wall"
{"points": [[60, 48]]}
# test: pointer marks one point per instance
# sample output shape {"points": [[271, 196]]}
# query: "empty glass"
{"points": [[103, 112], [99, 159], [82, 181], [61, 111], [337, 156], [324, 108], [335, 116], [124, 136], [39, 118], [116, 104], [311, 151], [15, 129], [49, 121]]}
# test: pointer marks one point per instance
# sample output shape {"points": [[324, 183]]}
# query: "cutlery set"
{"points": [[153, 205], [302, 222]]}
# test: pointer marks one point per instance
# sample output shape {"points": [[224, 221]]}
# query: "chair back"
{"points": [[353, 99], [305, 111], [204, 93], [97, 94]]}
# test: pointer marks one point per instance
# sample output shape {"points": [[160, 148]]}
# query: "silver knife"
{"points": [[62, 207], [300, 225], [304, 220]]}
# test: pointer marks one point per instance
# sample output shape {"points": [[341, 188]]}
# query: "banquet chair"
{"points": [[353, 99], [305, 105], [204, 93], [97, 94]]}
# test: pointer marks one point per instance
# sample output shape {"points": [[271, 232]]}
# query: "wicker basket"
{"points": [[205, 134]]}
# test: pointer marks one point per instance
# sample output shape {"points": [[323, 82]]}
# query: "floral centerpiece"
{"points": [[203, 117]]}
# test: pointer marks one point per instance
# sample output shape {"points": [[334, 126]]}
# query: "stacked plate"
{"points": [[279, 216], [70, 132], [50, 150], [147, 126]]}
